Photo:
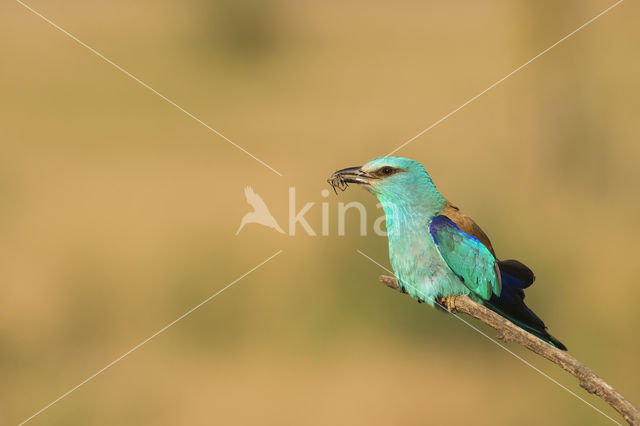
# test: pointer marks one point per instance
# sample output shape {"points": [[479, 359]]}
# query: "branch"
{"points": [[509, 332]]}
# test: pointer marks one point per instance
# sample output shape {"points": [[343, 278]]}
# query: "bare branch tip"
{"points": [[509, 332]]}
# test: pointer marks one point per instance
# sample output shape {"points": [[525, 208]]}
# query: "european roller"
{"points": [[437, 251]]}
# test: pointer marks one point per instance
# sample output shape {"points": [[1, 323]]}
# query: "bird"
{"points": [[436, 250], [260, 213]]}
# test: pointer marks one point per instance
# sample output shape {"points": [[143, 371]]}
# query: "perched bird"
{"points": [[260, 213], [436, 250]]}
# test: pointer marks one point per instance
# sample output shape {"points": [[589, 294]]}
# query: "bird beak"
{"points": [[352, 175], [342, 178]]}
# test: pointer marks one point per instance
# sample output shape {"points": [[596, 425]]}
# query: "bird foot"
{"points": [[448, 302]]}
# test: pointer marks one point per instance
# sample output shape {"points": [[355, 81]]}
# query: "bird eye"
{"points": [[387, 170]]}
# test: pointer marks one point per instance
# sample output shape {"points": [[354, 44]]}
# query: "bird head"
{"points": [[397, 182]]}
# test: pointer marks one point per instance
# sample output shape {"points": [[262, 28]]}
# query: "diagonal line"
{"points": [[149, 338], [505, 77], [145, 85], [500, 344]]}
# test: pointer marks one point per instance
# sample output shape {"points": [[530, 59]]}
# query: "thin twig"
{"points": [[509, 332]]}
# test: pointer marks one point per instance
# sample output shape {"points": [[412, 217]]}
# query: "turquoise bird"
{"points": [[437, 251]]}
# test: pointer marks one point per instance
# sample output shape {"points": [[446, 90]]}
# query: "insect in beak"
{"points": [[342, 178]]}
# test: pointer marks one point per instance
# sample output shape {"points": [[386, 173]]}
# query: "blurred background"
{"points": [[118, 213]]}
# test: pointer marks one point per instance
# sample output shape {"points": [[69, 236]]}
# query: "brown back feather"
{"points": [[466, 224]]}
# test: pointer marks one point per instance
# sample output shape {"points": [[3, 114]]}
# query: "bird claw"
{"points": [[448, 302]]}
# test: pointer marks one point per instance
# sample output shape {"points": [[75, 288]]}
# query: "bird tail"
{"points": [[510, 304]]}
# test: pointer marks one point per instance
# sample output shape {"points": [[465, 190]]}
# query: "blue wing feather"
{"points": [[467, 257]]}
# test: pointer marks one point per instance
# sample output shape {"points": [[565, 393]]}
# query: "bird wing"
{"points": [[513, 267], [467, 225], [255, 200], [467, 257]]}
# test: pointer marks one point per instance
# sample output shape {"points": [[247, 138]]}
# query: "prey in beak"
{"points": [[342, 178]]}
